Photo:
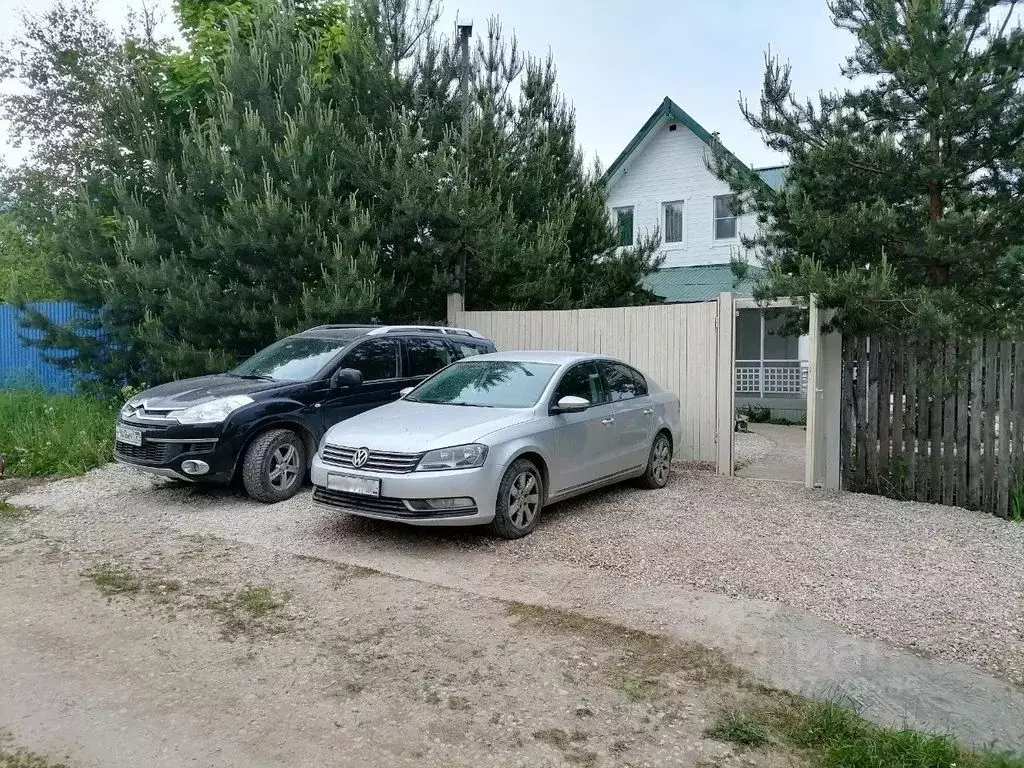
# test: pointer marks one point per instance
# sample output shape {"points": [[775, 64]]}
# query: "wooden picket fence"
{"points": [[935, 422]]}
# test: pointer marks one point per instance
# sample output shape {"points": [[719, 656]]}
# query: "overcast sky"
{"points": [[618, 60]]}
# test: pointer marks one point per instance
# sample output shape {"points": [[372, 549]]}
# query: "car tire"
{"points": [[659, 463], [520, 500], [275, 466]]}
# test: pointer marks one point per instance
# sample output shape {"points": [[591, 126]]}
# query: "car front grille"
{"points": [[147, 453], [379, 505], [379, 461]]}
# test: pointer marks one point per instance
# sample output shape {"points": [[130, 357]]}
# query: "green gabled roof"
{"points": [[671, 110], [774, 176], [700, 283]]}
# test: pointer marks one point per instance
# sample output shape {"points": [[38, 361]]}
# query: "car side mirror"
{"points": [[571, 404], [346, 377], [406, 391]]}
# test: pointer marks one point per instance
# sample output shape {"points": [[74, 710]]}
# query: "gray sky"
{"points": [[618, 60]]}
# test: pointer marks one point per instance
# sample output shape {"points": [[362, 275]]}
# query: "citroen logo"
{"points": [[360, 457]]}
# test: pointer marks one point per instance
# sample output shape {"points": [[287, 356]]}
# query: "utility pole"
{"points": [[465, 29]]}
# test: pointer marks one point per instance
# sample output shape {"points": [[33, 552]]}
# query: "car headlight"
{"points": [[214, 411], [456, 457]]}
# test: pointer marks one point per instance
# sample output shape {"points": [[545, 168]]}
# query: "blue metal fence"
{"points": [[23, 365]]}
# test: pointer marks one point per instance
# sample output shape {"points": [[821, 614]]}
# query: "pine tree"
{"points": [[904, 201]]}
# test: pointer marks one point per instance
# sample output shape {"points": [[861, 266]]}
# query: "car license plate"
{"points": [[128, 435], [365, 486]]}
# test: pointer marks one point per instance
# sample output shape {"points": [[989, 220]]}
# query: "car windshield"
{"points": [[486, 384], [298, 358]]}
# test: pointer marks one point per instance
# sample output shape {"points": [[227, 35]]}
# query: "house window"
{"points": [[725, 219], [674, 222], [624, 223]]}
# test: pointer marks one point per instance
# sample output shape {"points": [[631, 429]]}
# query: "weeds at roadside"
{"points": [[9, 514], [21, 758], [55, 435], [249, 612], [834, 735], [737, 728], [643, 662]]}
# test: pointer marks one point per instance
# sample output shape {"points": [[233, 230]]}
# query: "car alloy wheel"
{"points": [[659, 463], [524, 499], [285, 467], [661, 457]]}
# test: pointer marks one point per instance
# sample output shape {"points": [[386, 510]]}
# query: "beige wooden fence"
{"points": [[676, 344]]}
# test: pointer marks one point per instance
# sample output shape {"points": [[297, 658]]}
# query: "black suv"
{"points": [[264, 420]]}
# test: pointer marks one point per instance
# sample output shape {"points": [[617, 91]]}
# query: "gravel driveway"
{"points": [[937, 580]]}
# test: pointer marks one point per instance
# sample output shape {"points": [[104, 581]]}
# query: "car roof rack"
{"points": [[441, 329]]}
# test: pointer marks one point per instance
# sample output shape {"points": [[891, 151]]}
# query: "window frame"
{"points": [[641, 382], [632, 225], [553, 401], [365, 342], [407, 373], [602, 367], [682, 221], [715, 219]]}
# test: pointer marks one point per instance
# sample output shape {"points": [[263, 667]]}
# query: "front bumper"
{"points": [[164, 448], [396, 490]]}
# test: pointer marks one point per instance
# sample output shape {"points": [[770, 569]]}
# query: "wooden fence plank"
{"points": [[989, 383], [910, 424], [1003, 451], [871, 432], [935, 422], [846, 423], [898, 464], [1017, 464], [925, 375], [887, 356], [976, 420], [962, 420], [860, 412], [949, 426]]}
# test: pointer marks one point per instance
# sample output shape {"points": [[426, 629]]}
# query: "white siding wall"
{"points": [[670, 167]]}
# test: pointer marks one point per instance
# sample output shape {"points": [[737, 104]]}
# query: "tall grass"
{"points": [[45, 435]]}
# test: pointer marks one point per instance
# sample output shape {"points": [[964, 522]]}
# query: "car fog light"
{"points": [[193, 467], [460, 502]]}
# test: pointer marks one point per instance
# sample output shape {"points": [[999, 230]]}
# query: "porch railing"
{"points": [[772, 377]]}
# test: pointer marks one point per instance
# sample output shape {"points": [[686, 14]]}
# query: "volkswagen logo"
{"points": [[360, 457]]}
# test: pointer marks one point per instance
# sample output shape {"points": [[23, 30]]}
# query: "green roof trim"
{"points": [[671, 110], [700, 283]]}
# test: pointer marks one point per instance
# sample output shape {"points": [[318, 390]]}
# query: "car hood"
{"points": [[408, 427], [188, 392]]}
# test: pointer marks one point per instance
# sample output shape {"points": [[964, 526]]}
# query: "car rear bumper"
{"points": [[400, 492]]}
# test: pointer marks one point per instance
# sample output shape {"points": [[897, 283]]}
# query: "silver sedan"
{"points": [[494, 438]]}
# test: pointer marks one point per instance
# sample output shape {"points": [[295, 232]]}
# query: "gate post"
{"points": [[726, 389], [824, 403]]}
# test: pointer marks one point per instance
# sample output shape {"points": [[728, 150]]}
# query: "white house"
{"points": [[661, 182]]}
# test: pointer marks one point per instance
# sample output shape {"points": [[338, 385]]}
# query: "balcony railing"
{"points": [[772, 377]]}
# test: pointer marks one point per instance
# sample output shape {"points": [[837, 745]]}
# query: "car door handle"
{"points": [[608, 421], [648, 411]]}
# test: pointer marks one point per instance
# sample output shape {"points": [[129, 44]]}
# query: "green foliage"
{"points": [[903, 207], [831, 734], [300, 164], [51, 435], [23, 264]]}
